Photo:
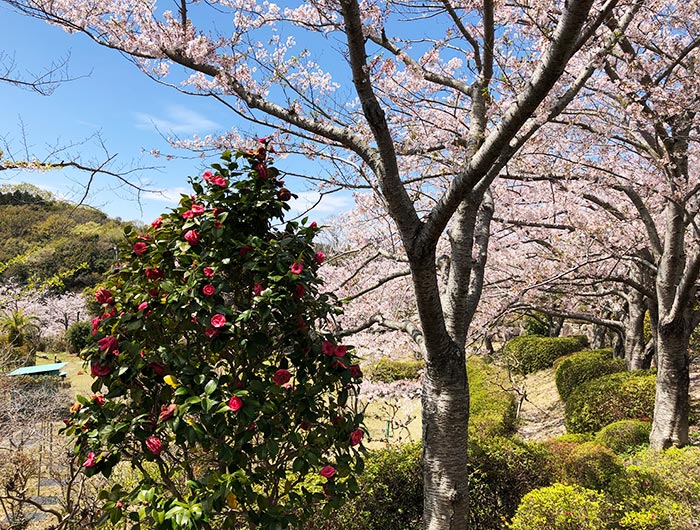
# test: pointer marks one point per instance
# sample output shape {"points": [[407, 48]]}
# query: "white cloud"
{"points": [[329, 205], [178, 120], [169, 196]]}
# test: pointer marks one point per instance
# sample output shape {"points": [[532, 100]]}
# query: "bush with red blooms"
{"points": [[213, 364]]}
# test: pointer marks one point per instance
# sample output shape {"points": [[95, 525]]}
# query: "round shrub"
{"points": [[650, 512], [592, 466], [502, 470], [624, 435], [78, 335], [561, 507], [597, 403], [388, 371], [531, 353], [584, 366]]}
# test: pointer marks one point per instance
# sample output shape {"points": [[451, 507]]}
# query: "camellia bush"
{"points": [[214, 377]]}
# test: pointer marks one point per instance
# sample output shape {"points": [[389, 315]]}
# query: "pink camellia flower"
{"points": [[281, 377], [143, 306], [299, 291], [154, 444], [355, 370], [189, 214], [157, 222], [103, 296], [356, 437], [207, 175], [211, 332], [257, 289], [197, 209], [108, 344], [167, 412], [100, 400], [328, 348], [208, 289], [319, 257], [235, 403], [95, 324], [296, 268], [261, 168], [154, 274], [327, 472], [139, 248], [192, 237], [220, 181], [158, 368], [90, 461], [99, 369], [340, 351], [208, 272], [218, 321]]}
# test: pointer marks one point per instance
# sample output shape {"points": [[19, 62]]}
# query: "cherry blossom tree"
{"points": [[423, 103]]}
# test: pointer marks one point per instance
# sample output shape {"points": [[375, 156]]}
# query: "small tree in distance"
{"points": [[218, 384]]}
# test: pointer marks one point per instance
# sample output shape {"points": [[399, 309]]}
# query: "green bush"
{"points": [[625, 435], [491, 409], [597, 403], [561, 507], [388, 371], [502, 470], [531, 353], [77, 336], [592, 466], [650, 512], [584, 366]]}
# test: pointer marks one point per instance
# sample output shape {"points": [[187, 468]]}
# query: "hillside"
{"points": [[48, 242]]}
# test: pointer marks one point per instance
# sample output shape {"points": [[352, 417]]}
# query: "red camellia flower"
{"points": [[319, 257], [313, 225], [140, 248], [235, 403], [95, 324], [262, 170], [167, 411], [218, 321], [100, 400], [108, 344], [99, 369], [327, 472], [157, 222], [209, 289], [208, 272], [158, 368], [340, 351], [328, 348], [211, 332], [143, 306], [257, 289], [244, 250], [154, 444], [192, 237], [90, 461], [281, 376], [296, 268], [103, 296], [356, 437], [299, 291], [355, 370], [154, 274]]}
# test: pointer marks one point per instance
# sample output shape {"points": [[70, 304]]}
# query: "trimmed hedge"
{"points": [[614, 397], [388, 371], [531, 353], [625, 435], [593, 466], [491, 409], [584, 366], [561, 507]]}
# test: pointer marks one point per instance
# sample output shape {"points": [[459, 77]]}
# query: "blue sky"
{"points": [[131, 113]]}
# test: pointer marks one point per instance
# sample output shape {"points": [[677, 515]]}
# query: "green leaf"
{"points": [[210, 387]]}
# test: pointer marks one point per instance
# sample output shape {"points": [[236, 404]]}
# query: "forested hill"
{"points": [[48, 242]]}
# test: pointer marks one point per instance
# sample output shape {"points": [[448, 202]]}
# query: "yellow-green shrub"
{"points": [[625, 435], [584, 366], [491, 409], [388, 371], [650, 512], [592, 466], [530, 353]]}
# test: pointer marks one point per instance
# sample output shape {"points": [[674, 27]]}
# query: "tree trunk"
{"points": [[635, 351], [671, 406], [555, 326], [599, 333]]}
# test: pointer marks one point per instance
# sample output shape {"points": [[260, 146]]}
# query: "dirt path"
{"points": [[542, 412]]}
